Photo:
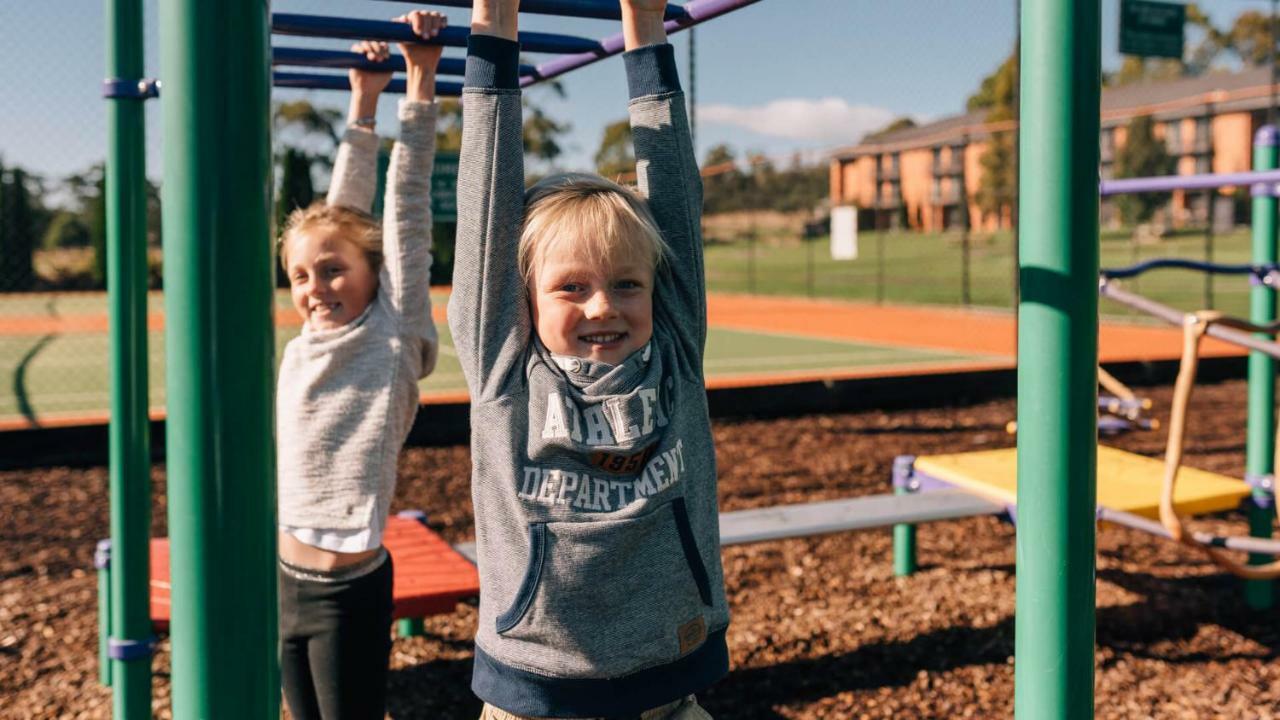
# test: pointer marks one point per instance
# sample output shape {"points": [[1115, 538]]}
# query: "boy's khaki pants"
{"points": [[686, 709]]}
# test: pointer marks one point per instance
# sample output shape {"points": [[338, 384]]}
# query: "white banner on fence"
{"points": [[844, 233]]}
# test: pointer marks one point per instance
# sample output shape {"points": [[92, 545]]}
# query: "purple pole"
{"points": [[357, 29], [1262, 183], [695, 12]]}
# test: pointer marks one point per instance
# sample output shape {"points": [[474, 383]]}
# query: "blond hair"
{"points": [[355, 226], [599, 219]]}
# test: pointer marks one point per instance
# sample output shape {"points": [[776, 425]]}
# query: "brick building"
{"points": [[918, 177]]}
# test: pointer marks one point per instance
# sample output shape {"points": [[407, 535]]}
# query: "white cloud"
{"points": [[825, 120]]}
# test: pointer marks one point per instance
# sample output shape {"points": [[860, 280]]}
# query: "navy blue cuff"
{"points": [[651, 70], [492, 63]]}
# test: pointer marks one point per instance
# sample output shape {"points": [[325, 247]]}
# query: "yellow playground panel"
{"points": [[1126, 481]]}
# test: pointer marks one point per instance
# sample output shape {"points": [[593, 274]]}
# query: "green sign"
{"points": [[444, 188], [1152, 29]]}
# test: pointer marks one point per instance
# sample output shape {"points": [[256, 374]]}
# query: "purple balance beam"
{"points": [[1261, 183], [694, 12]]}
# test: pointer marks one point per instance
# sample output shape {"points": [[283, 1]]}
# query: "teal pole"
{"points": [[1057, 359], [102, 560], [904, 534], [218, 276], [128, 644], [1261, 433]]}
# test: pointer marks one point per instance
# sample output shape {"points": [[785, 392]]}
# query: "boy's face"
{"points": [[329, 278], [602, 313]]}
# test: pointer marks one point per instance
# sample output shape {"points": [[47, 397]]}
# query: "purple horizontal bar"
{"points": [[317, 81], [594, 9], [1207, 181], [696, 11]]}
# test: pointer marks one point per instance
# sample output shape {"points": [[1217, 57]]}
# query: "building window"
{"points": [[1173, 137], [1204, 134], [1107, 142], [1204, 164]]}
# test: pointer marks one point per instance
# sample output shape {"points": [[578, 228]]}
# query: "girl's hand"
{"points": [[369, 83], [426, 24]]}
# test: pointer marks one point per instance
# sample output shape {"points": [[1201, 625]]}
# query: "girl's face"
{"points": [[329, 278], [583, 309]]}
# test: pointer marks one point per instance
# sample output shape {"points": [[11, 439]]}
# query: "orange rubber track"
{"points": [[988, 334]]}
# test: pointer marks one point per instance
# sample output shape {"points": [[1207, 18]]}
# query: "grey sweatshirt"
{"points": [[346, 397], [594, 486]]}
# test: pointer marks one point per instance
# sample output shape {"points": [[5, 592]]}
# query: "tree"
{"points": [[1250, 37], [541, 134], [1142, 155], [615, 156], [296, 190], [722, 182], [998, 185], [18, 232], [66, 229], [898, 123]]}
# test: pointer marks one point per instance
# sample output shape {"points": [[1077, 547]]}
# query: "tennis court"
{"points": [[54, 353]]}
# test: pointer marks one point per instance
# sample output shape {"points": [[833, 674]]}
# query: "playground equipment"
{"points": [[218, 310], [1119, 412]]}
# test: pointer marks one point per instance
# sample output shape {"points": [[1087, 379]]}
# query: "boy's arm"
{"points": [[406, 221], [488, 310], [355, 169], [666, 169]]}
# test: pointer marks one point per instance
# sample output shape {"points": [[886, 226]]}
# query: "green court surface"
{"points": [[56, 376]]}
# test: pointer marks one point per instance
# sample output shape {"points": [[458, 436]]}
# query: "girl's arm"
{"points": [[666, 169], [355, 169], [488, 310], [406, 221]]}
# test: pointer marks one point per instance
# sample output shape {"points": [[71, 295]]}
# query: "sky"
{"points": [[777, 77]]}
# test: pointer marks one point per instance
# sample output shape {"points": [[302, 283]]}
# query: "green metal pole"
{"points": [[904, 534], [218, 276], [1057, 359], [129, 444], [1260, 445]]}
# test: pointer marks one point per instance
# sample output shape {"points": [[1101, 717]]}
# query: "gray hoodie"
{"points": [[594, 485]]}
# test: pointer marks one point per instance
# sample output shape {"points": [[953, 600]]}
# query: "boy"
{"points": [[579, 317]]}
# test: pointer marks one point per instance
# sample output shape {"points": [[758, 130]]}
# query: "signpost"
{"points": [[1152, 29], [444, 188]]}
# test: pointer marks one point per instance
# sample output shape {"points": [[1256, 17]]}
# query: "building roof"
{"points": [[1248, 89]]}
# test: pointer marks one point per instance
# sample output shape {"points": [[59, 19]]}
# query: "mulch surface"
{"points": [[821, 627]]}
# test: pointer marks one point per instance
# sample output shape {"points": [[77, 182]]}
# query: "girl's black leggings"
{"points": [[335, 643]]}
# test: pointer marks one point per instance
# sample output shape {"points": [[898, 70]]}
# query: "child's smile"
{"points": [[586, 310], [330, 280]]}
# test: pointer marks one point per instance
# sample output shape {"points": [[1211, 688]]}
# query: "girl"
{"points": [[348, 392]]}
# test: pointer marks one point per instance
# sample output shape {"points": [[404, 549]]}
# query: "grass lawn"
{"points": [[921, 268]]}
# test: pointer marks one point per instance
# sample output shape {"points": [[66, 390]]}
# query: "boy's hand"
{"points": [[642, 23], [420, 59], [370, 82], [645, 5], [495, 17]]}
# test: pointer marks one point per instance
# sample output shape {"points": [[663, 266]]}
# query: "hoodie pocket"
{"points": [[610, 596]]}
